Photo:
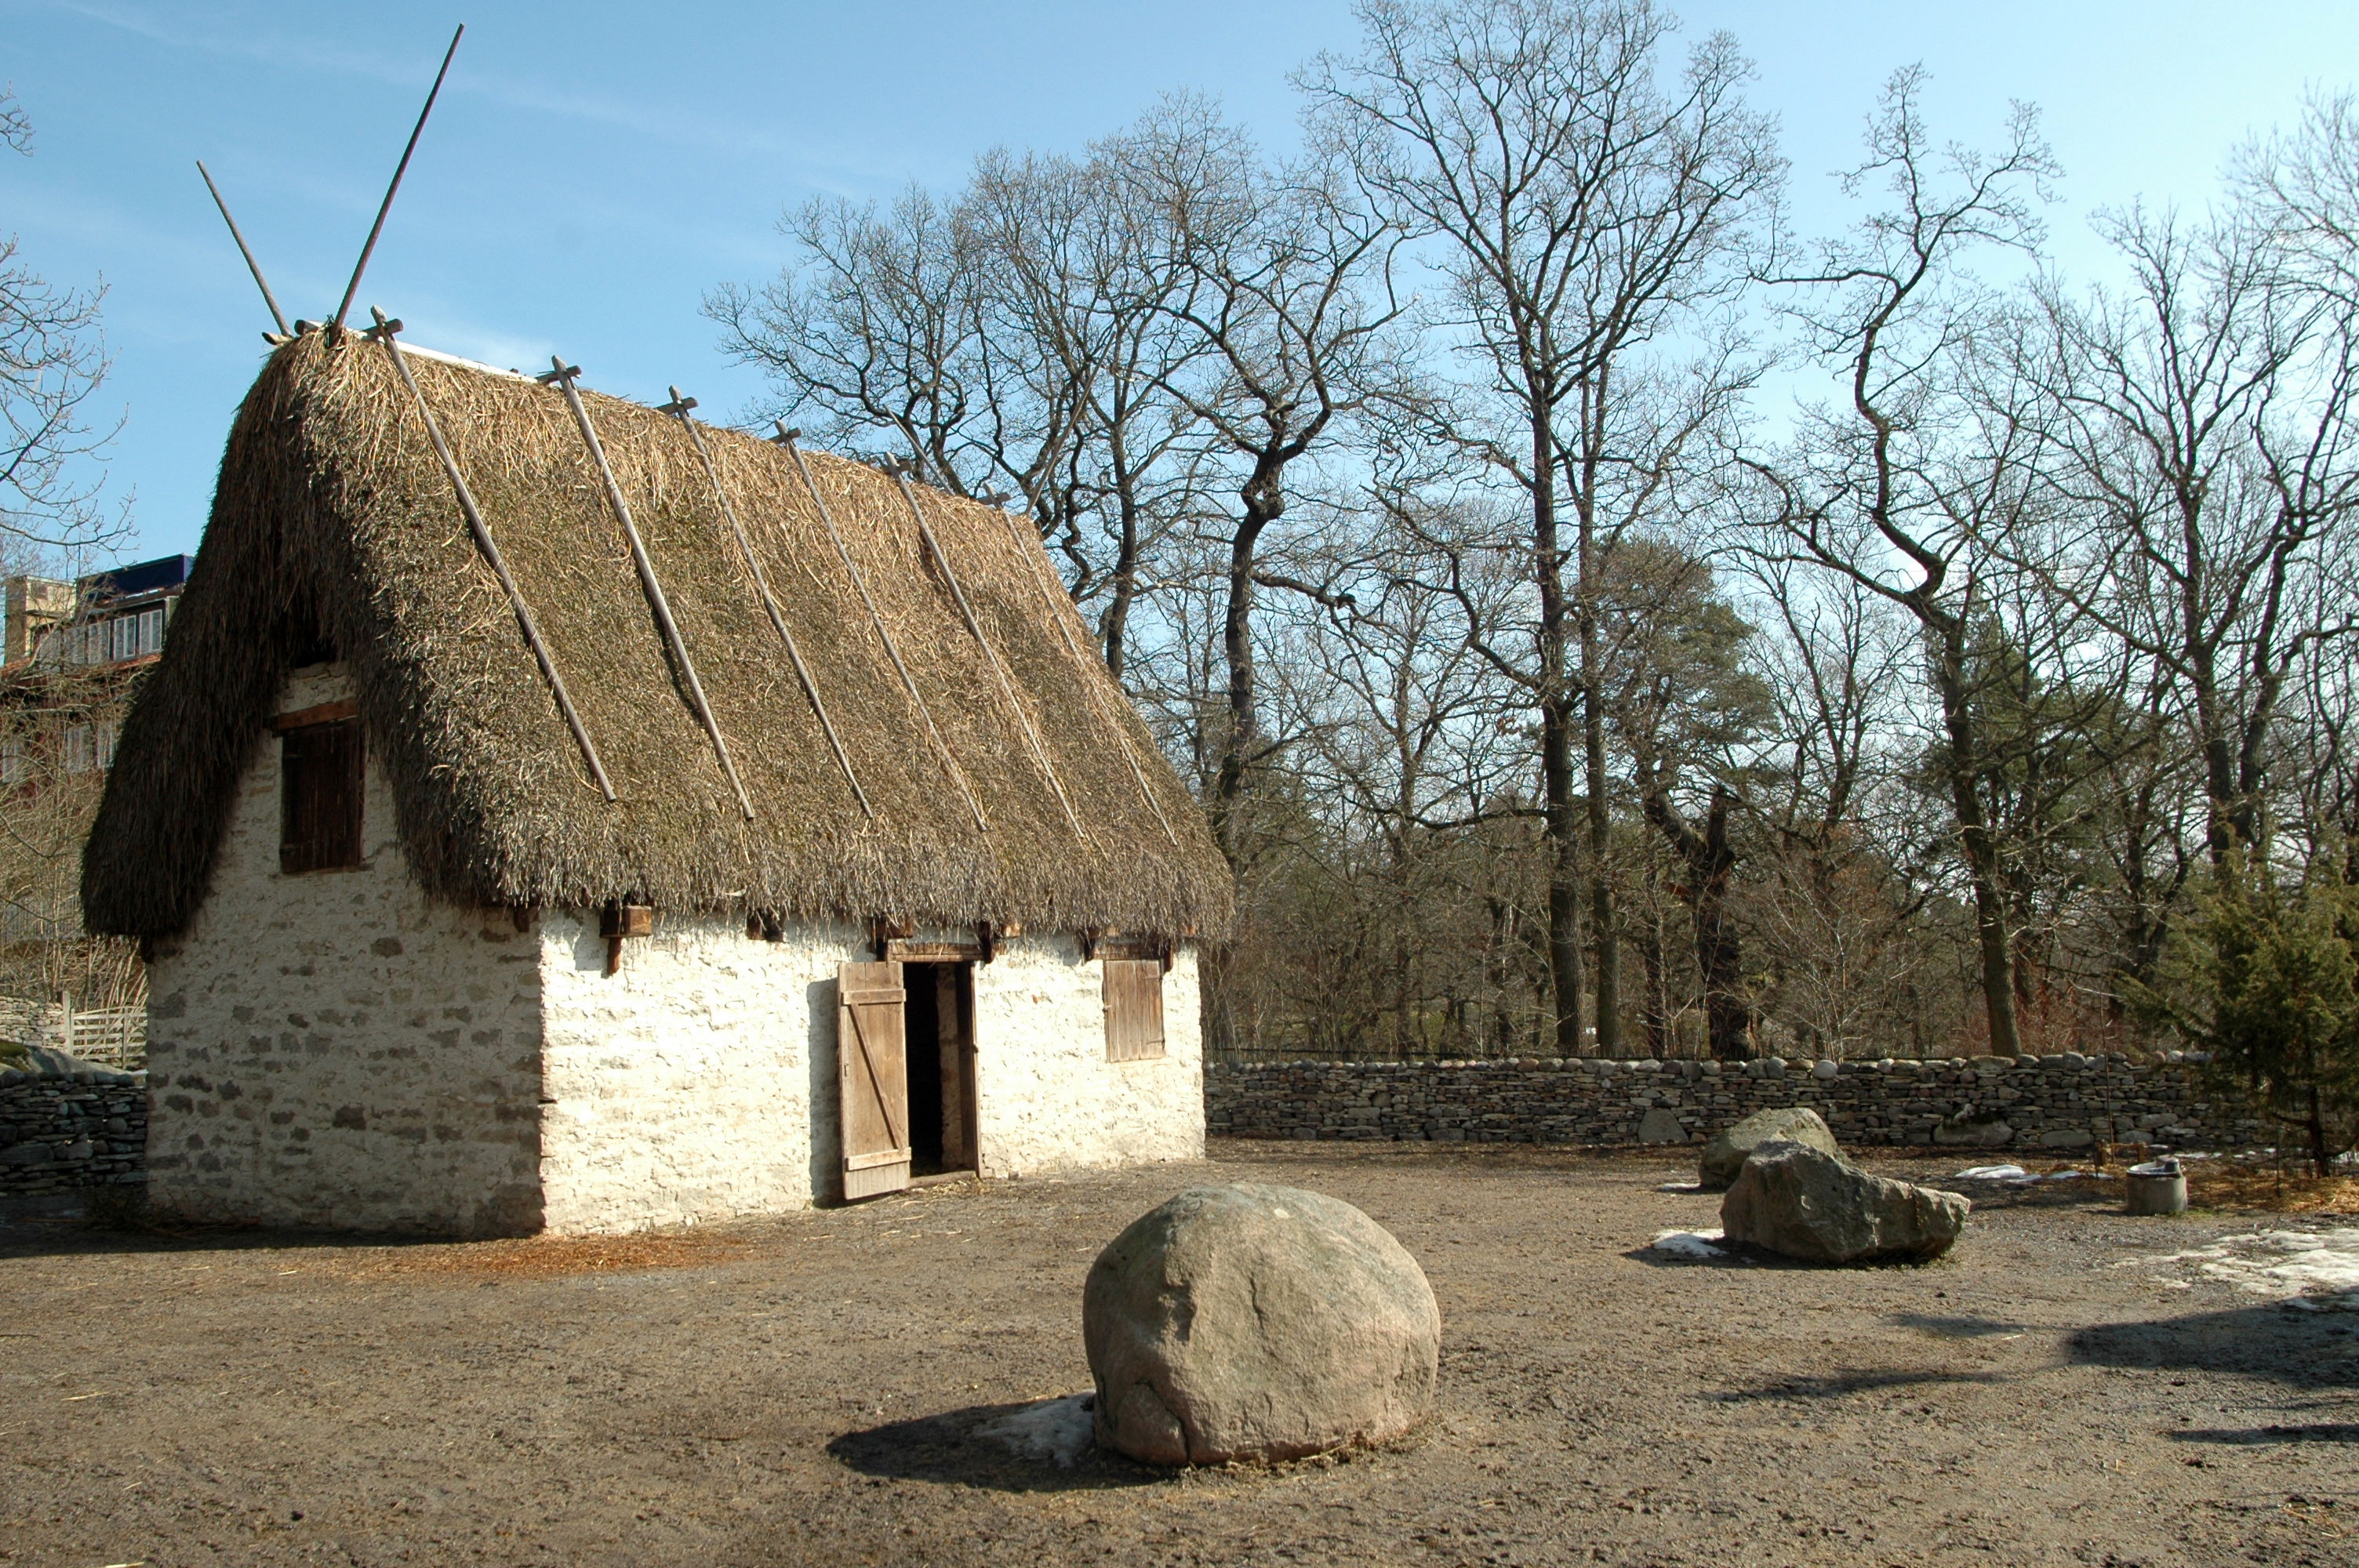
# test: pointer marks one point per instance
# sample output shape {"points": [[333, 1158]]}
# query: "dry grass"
{"points": [[545, 1257], [2251, 1189], [335, 531]]}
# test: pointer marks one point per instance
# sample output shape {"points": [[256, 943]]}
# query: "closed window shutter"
{"points": [[320, 797], [1133, 1008]]}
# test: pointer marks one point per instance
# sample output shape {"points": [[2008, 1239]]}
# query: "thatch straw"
{"points": [[335, 528]]}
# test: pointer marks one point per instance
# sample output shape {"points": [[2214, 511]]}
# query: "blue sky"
{"points": [[595, 168]]}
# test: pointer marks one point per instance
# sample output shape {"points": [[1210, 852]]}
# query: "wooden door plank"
{"points": [[871, 1089]]}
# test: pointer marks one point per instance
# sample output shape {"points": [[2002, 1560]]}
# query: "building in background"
{"points": [[114, 617], [71, 655]]}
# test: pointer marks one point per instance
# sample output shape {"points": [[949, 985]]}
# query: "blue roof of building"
{"points": [[147, 577]]}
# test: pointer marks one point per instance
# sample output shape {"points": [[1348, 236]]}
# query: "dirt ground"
{"points": [[2063, 1389]]}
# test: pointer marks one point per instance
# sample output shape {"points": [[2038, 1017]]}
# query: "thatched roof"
{"points": [[334, 527]]}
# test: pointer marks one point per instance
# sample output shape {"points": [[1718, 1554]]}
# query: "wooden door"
{"points": [[872, 1078]]}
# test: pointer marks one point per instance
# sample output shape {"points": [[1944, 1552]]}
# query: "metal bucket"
{"points": [[2158, 1187]]}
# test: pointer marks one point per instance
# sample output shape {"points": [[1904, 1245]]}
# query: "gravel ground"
{"points": [[2062, 1390]]}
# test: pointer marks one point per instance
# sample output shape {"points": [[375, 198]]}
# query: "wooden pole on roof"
{"points": [[337, 326], [680, 407], [243, 249], [786, 438], [1050, 599], [383, 333], [562, 376], [991, 657]]}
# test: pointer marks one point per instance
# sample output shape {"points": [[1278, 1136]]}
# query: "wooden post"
{"points": [[1056, 613], [949, 761], [562, 376], [384, 332], [336, 327], [679, 405], [251, 265], [991, 657]]}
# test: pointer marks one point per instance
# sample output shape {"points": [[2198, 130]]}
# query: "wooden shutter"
{"points": [[320, 797], [1133, 1008], [872, 1067]]}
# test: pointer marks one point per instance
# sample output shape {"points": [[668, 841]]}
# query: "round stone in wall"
{"points": [[1255, 1322]]}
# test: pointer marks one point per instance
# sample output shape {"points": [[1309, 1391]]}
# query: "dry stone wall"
{"points": [[2025, 1105], [58, 1135]]}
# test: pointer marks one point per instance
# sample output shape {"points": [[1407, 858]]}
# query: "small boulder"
{"points": [[1661, 1125], [1723, 1156], [1253, 1322], [1805, 1203], [1978, 1134]]}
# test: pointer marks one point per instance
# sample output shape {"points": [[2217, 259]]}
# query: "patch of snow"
{"points": [[1695, 1245], [1991, 1173], [1680, 1187], [2316, 1269], [1061, 1430]]}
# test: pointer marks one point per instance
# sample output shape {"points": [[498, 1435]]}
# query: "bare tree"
{"points": [[53, 362], [2205, 436], [1584, 209], [1900, 491], [1283, 305]]}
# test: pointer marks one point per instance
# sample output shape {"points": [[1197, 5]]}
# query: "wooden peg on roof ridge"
{"points": [[679, 406]]}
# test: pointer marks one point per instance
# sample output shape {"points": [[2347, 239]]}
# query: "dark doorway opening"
{"points": [[939, 1043]]}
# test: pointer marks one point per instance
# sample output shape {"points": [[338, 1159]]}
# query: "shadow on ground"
{"points": [[945, 1448], [1836, 1384], [2316, 1432], [1962, 1327], [2280, 1342], [42, 1237]]}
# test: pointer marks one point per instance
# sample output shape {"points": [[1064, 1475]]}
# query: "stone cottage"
{"points": [[553, 813]]}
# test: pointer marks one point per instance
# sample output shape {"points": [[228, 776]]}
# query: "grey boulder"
{"points": [[1253, 1322], [1723, 1156], [1805, 1203], [1661, 1126]]}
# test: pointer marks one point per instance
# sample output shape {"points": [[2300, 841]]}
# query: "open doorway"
{"points": [[940, 1054]]}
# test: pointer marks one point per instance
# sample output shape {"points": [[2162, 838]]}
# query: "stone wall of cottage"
{"points": [[681, 1088], [1050, 1099], [2027, 1105], [58, 1135], [335, 1049]]}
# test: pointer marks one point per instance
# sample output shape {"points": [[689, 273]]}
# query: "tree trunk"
{"points": [[1979, 844], [1710, 862], [1262, 507], [1655, 1017], [1113, 627], [1556, 753], [1604, 933]]}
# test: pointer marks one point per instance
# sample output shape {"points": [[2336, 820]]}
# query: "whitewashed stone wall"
{"points": [[336, 1050], [1050, 1099], [683, 1088]]}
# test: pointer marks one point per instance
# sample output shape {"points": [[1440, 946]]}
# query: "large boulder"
{"points": [[1253, 1322], [1723, 1156], [1806, 1202]]}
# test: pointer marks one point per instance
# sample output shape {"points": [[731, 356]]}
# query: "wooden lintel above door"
{"points": [[899, 950]]}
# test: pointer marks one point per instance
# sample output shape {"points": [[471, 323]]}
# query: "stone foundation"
{"points": [[2049, 1105]]}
